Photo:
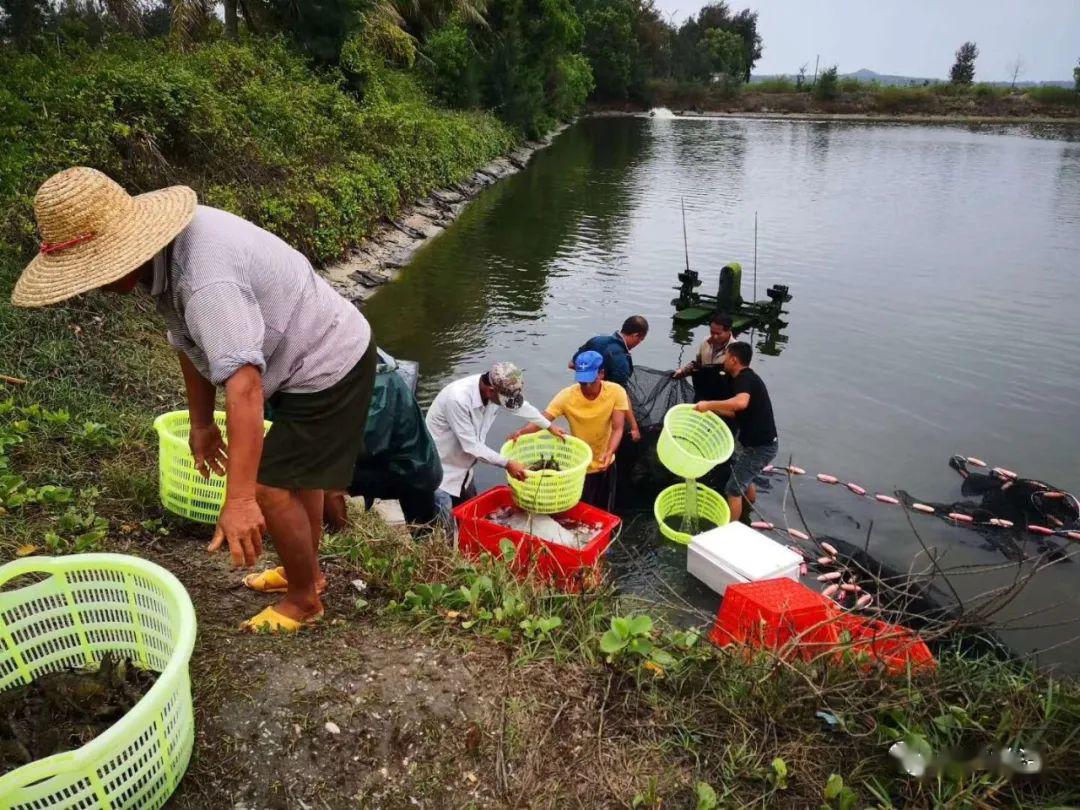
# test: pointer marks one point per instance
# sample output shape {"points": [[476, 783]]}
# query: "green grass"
{"points": [[1054, 96], [744, 725]]}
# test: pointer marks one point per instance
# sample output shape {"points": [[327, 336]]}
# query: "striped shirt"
{"points": [[235, 295]]}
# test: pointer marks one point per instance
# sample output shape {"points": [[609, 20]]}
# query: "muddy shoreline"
{"points": [[391, 246]]}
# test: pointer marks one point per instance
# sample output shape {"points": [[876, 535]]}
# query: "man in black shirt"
{"points": [[752, 410]]}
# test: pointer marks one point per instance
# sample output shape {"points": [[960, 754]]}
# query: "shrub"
{"points": [[902, 99], [452, 68], [850, 85], [779, 84], [1051, 95], [250, 127], [827, 87]]}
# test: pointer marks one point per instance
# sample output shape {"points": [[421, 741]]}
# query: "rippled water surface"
{"points": [[934, 274]]}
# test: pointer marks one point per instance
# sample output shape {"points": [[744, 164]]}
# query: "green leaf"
{"points": [[847, 799], [549, 623], [663, 658], [833, 786], [360, 604], [640, 625], [621, 626], [507, 550], [502, 634], [611, 642], [641, 646], [780, 772], [706, 796]]}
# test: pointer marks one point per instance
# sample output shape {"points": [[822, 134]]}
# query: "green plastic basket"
{"points": [[549, 491], [88, 605], [692, 443], [183, 490], [672, 503]]}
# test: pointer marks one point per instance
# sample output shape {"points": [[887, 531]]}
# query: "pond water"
{"points": [[934, 275]]}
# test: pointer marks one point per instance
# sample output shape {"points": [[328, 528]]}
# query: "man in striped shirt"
{"points": [[248, 314]]}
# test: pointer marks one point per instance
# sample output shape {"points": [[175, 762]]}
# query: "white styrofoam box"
{"points": [[736, 553]]}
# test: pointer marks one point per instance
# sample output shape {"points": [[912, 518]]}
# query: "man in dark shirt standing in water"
{"points": [[751, 408]]}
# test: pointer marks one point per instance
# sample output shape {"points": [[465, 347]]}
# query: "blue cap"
{"points": [[587, 367]]}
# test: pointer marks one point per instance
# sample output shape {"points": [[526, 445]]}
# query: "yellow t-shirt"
{"points": [[590, 419]]}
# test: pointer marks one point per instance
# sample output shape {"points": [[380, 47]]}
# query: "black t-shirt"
{"points": [[756, 425]]}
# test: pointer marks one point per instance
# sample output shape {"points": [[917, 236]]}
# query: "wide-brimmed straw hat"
{"points": [[94, 233]]}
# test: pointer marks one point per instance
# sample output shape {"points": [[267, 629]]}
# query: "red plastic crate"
{"points": [[890, 644], [777, 614], [566, 567]]}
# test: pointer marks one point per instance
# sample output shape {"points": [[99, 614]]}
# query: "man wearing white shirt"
{"points": [[459, 421]]}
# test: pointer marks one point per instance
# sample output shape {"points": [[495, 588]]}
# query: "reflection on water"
{"points": [[934, 284]]}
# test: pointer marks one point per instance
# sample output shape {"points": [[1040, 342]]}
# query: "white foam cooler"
{"points": [[736, 553]]}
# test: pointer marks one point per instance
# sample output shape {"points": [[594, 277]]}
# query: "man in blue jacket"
{"points": [[618, 365]]}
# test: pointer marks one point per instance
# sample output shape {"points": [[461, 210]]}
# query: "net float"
{"points": [[797, 550], [856, 488], [826, 561], [1073, 535], [829, 577], [959, 517], [1005, 524], [798, 535], [768, 468], [864, 601], [803, 570], [1004, 473], [886, 499], [1039, 530], [796, 470], [829, 549], [827, 479], [1053, 494], [850, 587], [764, 525], [830, 590], [922, 507], [978, 462]]}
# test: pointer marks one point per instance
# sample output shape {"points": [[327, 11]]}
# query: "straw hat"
{"points": [[94, 233]]}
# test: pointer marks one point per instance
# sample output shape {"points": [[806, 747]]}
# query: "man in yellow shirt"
{"points": [[596, 410]]}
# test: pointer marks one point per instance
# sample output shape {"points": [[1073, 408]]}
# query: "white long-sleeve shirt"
{"points": [[459, 420]]}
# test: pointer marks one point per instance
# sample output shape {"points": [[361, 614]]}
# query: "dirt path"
{"points": [[361, 712]]}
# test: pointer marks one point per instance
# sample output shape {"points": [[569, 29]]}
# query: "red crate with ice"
{"points": [[482, 526]]}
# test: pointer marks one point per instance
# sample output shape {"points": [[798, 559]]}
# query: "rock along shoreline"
{"points": [[381, 257]]}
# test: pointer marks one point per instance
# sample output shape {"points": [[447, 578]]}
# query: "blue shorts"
{"points": [[746, 464]]}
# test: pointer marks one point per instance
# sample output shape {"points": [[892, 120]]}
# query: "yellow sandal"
{"points": [[270, 620], [272, 580]]}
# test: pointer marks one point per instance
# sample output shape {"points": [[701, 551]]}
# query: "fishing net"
{"points": [[641, 476], [652, 394]]}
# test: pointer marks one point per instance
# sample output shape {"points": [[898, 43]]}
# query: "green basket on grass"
{"points": [[678, 501], [692, 443], [547, 492], [183, 490], [88, 605]]}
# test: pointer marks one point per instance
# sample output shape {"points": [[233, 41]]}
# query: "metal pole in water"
{"points": [[686, 249], [755, 255]]}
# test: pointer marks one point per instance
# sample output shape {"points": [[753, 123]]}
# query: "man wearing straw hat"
{"points": [[246, 313]]}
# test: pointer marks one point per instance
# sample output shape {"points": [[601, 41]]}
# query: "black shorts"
{"points": [[316, 438]]}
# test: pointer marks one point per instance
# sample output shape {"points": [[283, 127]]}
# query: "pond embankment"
{"points": [[381, 257]]}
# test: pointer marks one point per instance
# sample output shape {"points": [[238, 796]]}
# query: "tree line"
{"points": [[530, 61]]}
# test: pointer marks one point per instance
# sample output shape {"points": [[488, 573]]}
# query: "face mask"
{"points": [[510, 401]]}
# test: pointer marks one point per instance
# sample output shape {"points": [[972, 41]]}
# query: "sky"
{"points": [[915, 37]]}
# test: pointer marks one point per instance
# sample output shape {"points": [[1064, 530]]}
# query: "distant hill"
{"points": [[868, 76]]}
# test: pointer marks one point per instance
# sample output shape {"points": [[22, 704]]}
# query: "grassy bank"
{"points": [[317, 158], [849, 97]]}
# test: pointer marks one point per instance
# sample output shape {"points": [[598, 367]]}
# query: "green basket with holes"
{"points": [[80, 608], [547, 492], [182, 488]]}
